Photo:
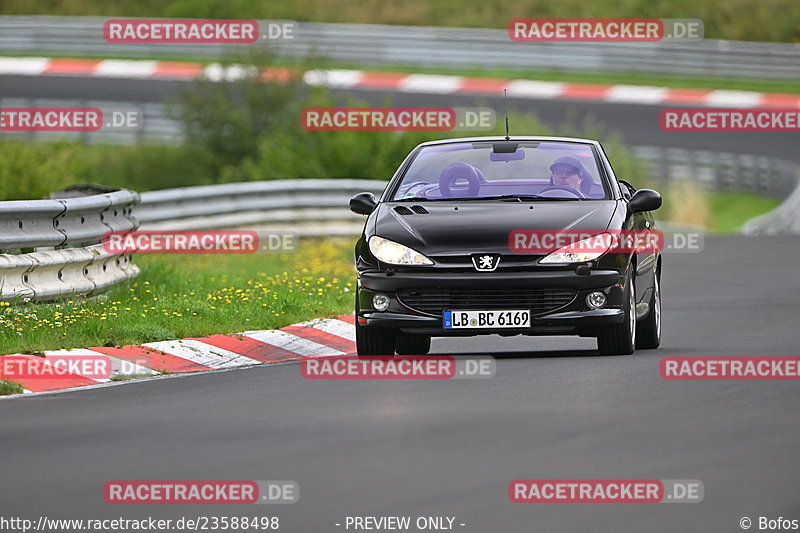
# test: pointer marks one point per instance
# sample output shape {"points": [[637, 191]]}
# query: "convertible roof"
{"points": [[501, 138]]}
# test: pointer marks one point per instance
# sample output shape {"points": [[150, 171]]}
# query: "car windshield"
{"points": [[514, 170]]}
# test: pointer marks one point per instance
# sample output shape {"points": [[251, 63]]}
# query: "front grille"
{"points": [[434, 301], [504, 259]]}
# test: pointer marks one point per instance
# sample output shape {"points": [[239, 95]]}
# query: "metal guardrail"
{"points": [[26, 224], [53, 226], [157, 126], [317, 207], [720, 171], [64, 234], [427, 46]]}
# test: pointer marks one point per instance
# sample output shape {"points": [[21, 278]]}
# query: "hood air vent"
{"points": [[403, 210]]}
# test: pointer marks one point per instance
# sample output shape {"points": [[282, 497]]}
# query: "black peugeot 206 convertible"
{"points": [[446, 249]]}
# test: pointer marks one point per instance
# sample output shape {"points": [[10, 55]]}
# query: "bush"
{"points": [[32, 170], [292, 152], [147, 167], [225, 119]]}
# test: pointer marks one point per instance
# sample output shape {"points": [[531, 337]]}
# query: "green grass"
{"points": [[7, 387], [729, 211], [687, 202], [179, 296]]}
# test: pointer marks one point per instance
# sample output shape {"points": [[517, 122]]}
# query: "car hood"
{"points": [[468, 227]]}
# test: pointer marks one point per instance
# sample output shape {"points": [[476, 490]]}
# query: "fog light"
{"points": [[596, 300], [380, 302]]}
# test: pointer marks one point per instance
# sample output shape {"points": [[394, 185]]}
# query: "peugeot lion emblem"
{"points": [[485, 262]]}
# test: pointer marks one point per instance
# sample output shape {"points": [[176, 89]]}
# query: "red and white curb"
{"points": [[317, 338], [400, 82]]}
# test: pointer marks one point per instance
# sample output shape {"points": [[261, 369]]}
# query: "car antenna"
{"points": [[505, 97]]}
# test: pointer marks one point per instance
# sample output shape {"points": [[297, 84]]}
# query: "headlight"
{"points": [[395, 253], [594, 247]]}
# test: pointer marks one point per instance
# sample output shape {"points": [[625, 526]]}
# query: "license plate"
{"points": [[512, 318]]}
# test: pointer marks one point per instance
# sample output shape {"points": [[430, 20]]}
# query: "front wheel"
{"points": [[375, 341], [620, 339], [649, 330]]}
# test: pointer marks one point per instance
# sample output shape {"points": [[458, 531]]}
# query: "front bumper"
{"points": [[392, 282], [573, 318]]}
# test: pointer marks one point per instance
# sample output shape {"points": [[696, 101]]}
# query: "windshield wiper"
{"points": [[523, 197], [502, 197]]}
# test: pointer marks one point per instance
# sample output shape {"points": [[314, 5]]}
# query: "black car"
{"points": [[441, 252]]}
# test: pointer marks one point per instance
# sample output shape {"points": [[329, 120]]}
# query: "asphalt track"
{"points": [[554, 410]]}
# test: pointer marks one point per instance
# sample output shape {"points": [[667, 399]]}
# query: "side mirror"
{"points": [[363, 203], [644, 200]]}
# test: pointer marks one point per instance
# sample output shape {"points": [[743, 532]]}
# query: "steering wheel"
{"points": [[456, 171], [567, 188]]}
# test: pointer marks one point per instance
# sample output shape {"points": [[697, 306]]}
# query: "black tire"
{"points": [[620, 339], [375, 341], [648, 331], [413, 344]]}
